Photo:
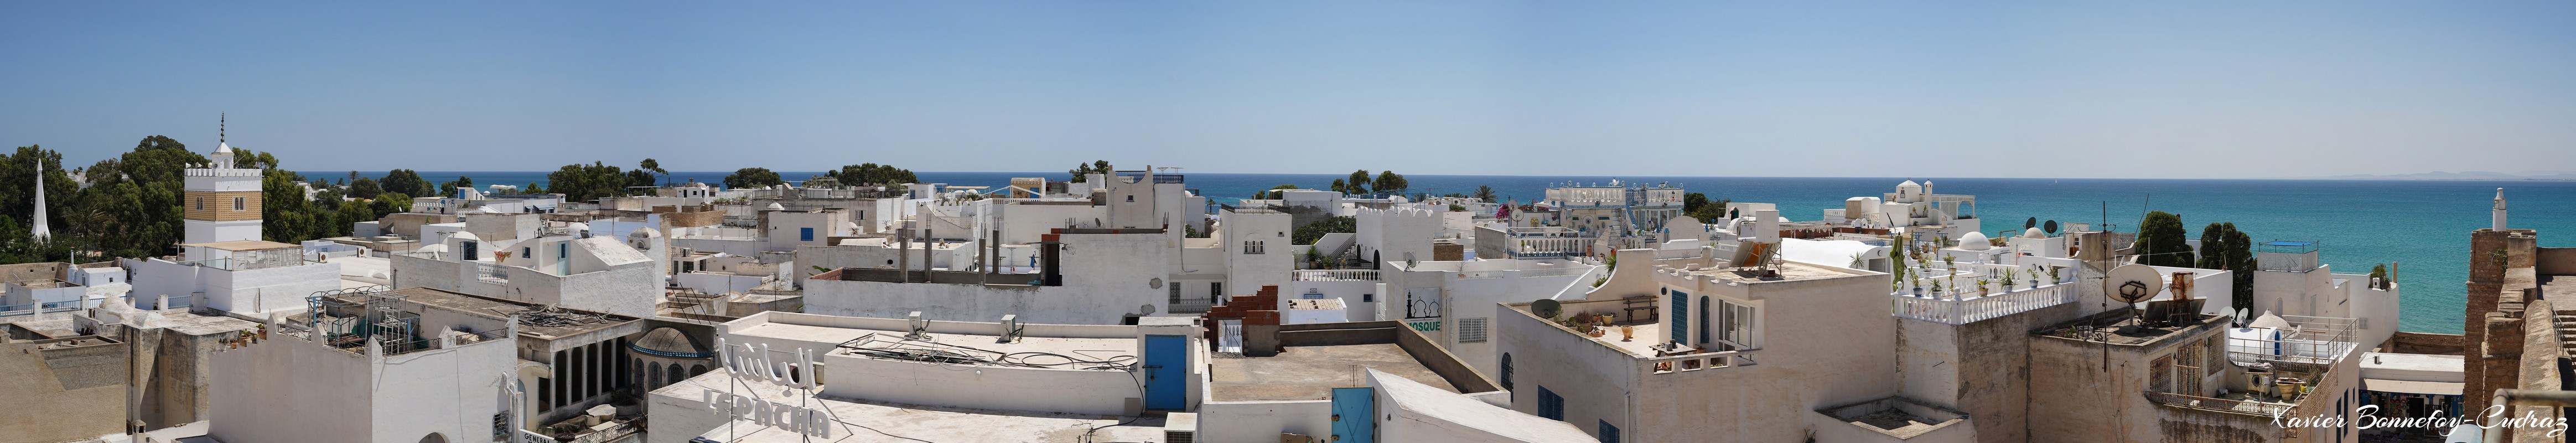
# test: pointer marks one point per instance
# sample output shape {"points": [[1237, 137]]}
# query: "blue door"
{"points": [[1354, 415], [1165, 357]]}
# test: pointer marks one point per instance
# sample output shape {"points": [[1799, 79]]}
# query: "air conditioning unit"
{"points": [[1181, 427], [1010, 328]]}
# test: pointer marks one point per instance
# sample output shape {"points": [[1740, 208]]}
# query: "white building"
{"points": [[224, 264], [572, 270], [422, 364]]}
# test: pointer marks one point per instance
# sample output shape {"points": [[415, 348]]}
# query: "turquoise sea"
{"points": [[2358, 223]]}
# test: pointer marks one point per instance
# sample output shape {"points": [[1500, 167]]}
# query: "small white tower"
{"points": [[222, 201], [2499, 209], [42, 230]]}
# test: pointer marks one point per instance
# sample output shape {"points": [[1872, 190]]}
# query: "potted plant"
{"points": [[2008, 280], [1981, 286], [1918, 286], [1936, 287], [2052, 274]]}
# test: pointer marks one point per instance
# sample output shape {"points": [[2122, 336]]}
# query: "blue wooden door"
{"points": [[1354, 415], [1165, 357]]}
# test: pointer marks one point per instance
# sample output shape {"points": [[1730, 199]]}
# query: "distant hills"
{"points": [[2462, 175]]}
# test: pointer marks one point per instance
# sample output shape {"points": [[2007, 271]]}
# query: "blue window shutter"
{"points": [[807, 234]]}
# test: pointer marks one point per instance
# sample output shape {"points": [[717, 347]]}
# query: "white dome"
{"points": [[465, 236], [774, 207], [1907, 183], [1974, 241], [2033, 233]]}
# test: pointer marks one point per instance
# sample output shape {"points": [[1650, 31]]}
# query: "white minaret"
{"points": [[2499, 209], [42, 230], [222, 201]]}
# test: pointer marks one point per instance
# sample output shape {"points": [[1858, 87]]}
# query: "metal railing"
{"points": [[1336, 275], [2217, 404], [1960, 311]]}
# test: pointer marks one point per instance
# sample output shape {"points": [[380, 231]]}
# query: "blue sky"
{"points": [[2185, 90]]}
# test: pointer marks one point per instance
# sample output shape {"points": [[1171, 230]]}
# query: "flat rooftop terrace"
{"points": [[866, 337], [1311, 372], [1789, 271], [556, 323], [897, 422]]}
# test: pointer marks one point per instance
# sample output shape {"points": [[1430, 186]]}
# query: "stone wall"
{"points": [[2423, 343], [62, 394]]}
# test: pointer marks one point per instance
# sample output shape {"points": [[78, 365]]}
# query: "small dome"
{"points": [[644, 233], [466, 236], [2033, 233], [667, 342], [773, 206], [1974, 241], [227, 148], [1907, 183]]}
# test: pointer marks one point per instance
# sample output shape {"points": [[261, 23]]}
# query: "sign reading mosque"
{"points": [[755, 363]]}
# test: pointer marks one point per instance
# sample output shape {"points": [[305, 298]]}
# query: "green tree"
{"points": [[1082, 172], [388, 204], [1701, 207], [1306, 235], [1358, 183], [2225, 248], [1485, 193], [871, 174], [1341, 186], [449, 188], [1389, 181], [405, 181], [136, 197], [744, 178], [1270, 193], [2160, 241], [581, 183], [364, 188], [655, 167]]}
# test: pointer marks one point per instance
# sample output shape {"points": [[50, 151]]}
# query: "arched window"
{"points": [[1507, 371], [433, 437], [676, 375], [655, 379], [694, 370]]}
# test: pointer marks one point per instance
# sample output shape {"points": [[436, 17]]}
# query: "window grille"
{"points": [[1471, 330]]}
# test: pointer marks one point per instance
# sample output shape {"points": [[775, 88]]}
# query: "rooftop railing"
{"points": [[1962, 310], [1336, 275]]}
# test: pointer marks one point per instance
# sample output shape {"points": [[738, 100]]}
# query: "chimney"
{"points": [[903, 261]]}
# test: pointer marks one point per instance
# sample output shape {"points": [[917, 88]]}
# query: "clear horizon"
{"points": [[2278, 90]]}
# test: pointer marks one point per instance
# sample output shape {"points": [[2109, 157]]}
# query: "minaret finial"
{"points": [[219, 126]]}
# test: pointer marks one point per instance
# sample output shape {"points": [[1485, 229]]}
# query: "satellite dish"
{"points": [[1546, 308], [2051, 226], [2132, 283], [2033, 222]]}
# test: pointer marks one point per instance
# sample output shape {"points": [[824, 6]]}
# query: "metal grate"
{"points": [[1170, 436], [1471, 330]]}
